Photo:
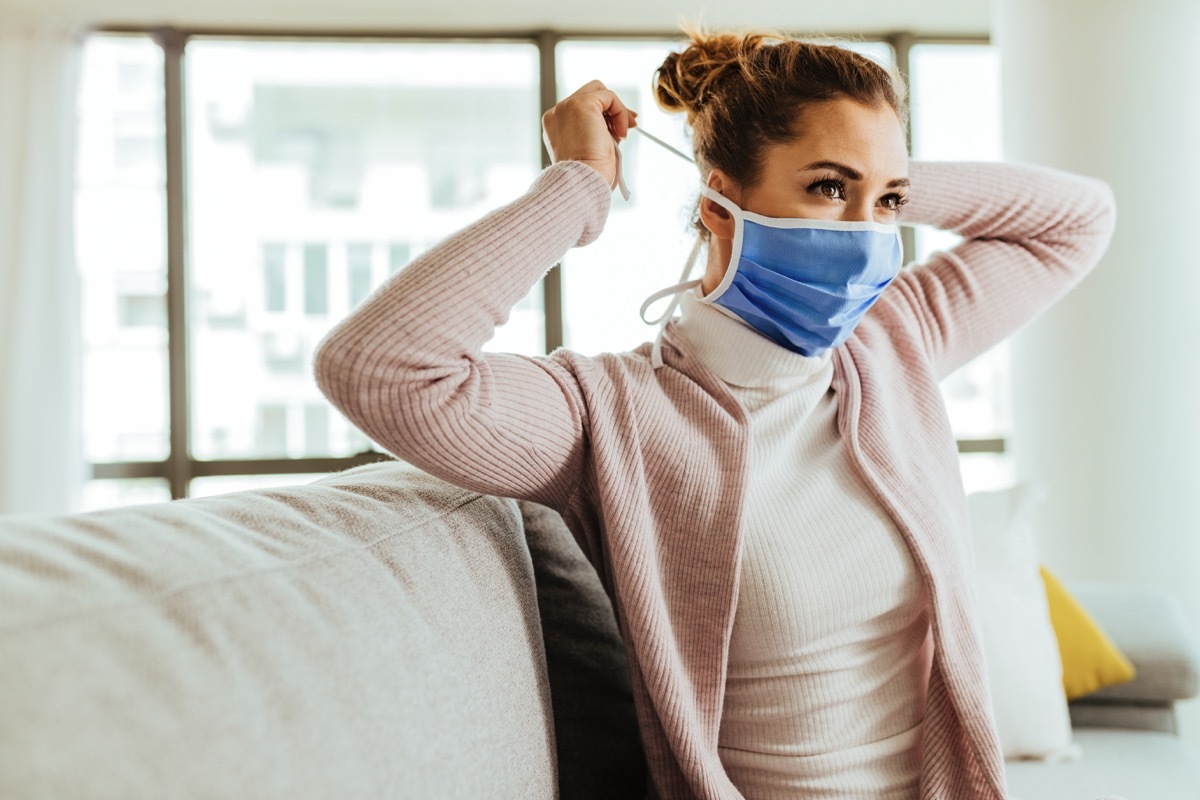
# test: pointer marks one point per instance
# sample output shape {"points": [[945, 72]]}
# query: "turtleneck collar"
{"points": [[740, 355]]}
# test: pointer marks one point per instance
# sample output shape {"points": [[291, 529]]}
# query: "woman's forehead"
{"points": [[867, 139]]}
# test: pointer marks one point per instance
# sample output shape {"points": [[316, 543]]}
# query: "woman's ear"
{"points": [[716, 218]]}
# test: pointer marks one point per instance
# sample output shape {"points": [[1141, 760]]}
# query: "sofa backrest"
{"points": [[355, 637]]}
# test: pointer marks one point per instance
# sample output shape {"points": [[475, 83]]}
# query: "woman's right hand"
{"points": [[582, 128]]}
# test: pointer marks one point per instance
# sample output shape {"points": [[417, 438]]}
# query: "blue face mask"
{"points": [[804, 283]]}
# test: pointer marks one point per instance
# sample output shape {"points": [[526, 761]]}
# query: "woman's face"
{"points": [[849, 163]]}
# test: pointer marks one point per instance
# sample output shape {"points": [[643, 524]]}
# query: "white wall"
{"points": [[929, 16], [1106, 384]]}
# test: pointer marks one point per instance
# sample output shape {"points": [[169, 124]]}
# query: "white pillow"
{"points": [[1023, 662]]}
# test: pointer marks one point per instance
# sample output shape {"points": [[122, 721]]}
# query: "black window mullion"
{"points": [[179, 464], [552, 285]]}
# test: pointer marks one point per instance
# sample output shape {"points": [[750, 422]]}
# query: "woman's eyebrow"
{"points": [[850, 172]]}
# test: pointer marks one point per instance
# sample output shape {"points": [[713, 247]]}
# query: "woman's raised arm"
{"points": [[1031, 233], [407, 366]]}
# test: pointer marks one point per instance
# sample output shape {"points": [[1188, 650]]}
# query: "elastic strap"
{"points": [[620, 182], [666, 146], [683, 285]]}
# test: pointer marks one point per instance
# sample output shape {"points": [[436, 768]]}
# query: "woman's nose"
{"points": [[858, 212]]}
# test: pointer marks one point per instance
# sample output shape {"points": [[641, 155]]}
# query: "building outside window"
{"points": [[316, 279], [358, 269], [318, 169], [274, 276]]}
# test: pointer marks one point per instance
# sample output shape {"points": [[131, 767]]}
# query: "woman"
{"points": [[770, 492]]}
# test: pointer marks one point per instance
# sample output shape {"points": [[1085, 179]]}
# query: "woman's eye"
{"points": [[830, 189], [892, 202]]}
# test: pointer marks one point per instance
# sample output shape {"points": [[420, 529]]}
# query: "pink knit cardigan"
{"points": [[648, 467]]}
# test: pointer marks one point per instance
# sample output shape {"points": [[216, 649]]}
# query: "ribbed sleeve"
{"points": [[407, 366], [1031, 234]]}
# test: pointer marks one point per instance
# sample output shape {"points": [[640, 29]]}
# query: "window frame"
{"points": [[180, 467]]}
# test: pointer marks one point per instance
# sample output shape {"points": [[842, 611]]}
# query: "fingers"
{"points": [[617, 116], [583, 125]]}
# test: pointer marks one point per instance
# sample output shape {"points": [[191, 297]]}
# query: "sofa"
{"points": [[382, 634]]}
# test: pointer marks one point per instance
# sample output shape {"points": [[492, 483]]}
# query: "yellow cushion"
{"points": [[1090, 660]]}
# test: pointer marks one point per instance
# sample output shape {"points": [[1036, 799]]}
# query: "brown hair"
{"points": [[744, 91]]}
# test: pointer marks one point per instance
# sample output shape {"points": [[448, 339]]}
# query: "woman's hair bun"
{"points": [[686, 78], [745, 90]]}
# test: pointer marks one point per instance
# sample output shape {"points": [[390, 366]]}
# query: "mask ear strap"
{"points": [[666, 146], [684, 284], [721, 200]]}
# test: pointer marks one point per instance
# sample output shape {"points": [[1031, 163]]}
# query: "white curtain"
{"points": [[42, 465]]}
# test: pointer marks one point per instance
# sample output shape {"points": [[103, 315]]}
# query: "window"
{"points": [[140, 311], [136, 76], [223, 484], [274, 277], [317, 158], [358, 267], [99, 494], [273, 430], [120, 231], [647, 239], [956, 115], [316, 430], [399, 254], [316, 279], [315, 169]]}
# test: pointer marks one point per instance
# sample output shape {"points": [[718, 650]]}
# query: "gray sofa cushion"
{"points": [[599, 748], [374, 634], [1151, 631], [1131, 716], [1136, 765]]}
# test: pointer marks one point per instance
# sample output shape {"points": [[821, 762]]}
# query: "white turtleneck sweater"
{"points": [[823, 696]]}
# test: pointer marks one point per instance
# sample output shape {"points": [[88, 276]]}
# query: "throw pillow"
{"points": [[1021, 652], [600, 754], [1090, 660]]}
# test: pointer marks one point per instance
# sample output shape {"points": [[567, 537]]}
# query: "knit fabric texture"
{"points": [[827, 659]]}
